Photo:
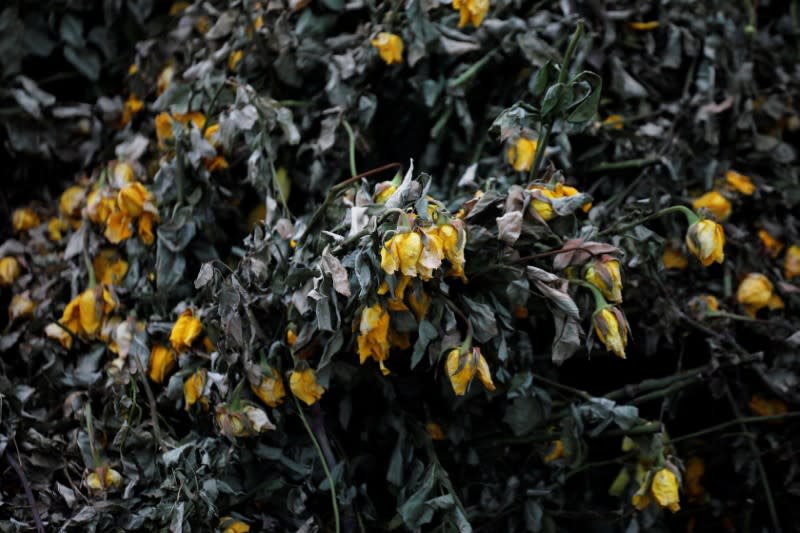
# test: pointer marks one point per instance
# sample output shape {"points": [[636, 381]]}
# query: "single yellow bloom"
{"points": [[93, 306], [21, 306], [383, 191], [71, 316], [472, 11], [605, 275], [24, 219], [270, 389], [234, 59], [740, 182], [612, 329], [673, 258], [146, 227], [521, 154], [462, 367], [454, 242], [9, 271], [432, 253], [304, 386], [767, 407], [373, 340], [109, 268], [186, 329], [754, 292], [165, 78], [104, 478], [389, 46], [695, 469], [193, 388], [229, 525], [772, 245], [55, 227], [402, 252], [616, 122], [791, 264], [162, 363], [435, 431], [665, 490], [118, 227], [71, 202], [715, 203], [100, 206], [706, 240], [556, 451], [644, 26]]}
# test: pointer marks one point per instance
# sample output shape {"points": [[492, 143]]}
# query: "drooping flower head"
{"points": [[472, 11], [463, 366], [706, 240], [373, 339], [304, 386], [611, 327], [604, 274]]}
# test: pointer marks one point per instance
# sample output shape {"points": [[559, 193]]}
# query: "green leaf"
{"points": [[586, 107], [552, 99], [85, 61], [427, 332], [71, 31], [541, 79]]}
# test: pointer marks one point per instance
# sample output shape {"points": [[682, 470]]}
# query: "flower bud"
{"points": [[462, 367], [706, 240], [611, 327], [604, 274]]}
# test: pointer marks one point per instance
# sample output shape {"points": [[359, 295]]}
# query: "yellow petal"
{"points": [[304, 386], [706, 240], [714, 202], [24, 219], [270, 389], [193, 387], [186, 329], [9, 271], [740, 182], [665, 490], [162, 363]]}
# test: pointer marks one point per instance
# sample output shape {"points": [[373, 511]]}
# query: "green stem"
{"points": [[87, 414], [473, 70], [351, 148], [691, 218], [321, 455], [562, 78], [750, 29], [599, 300], [622, 165]]}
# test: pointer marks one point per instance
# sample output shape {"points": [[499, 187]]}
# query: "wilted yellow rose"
{"points": [[230, 525], [247, 422], [673, 258], [270, 388], [402, 252], [93, 306], [55, 228], [432, 253], [118, 227], [462, 368], [103, 478], [715, 203], [665, 490], [373, 340], [304, 386], [706, 240], [186, 329], [521, 154], [472, 11], [605, 275], [100, 206], [21, 306], [193, 388], [771, 244], [740, 182], [71, 202], [389, 46], [24, 219], [131, 199], [9, 271], [612, 329], [146, 227], [109, 268], [162, 363], [541, 201], [791, 263], [754, 292], [57, 333], [454, 241]]}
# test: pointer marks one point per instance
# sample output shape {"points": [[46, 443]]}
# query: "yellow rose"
{"points": [[71, 202], [93, 306], [402, 252], [472, 11], [104, 478], [754, 292], [612, 329], [9, 271], [55, 332], [454, 241], [304, 386], [186, 329], [229, 525], [604, 274], [109, 269], [673, 258], [99, 206], [521, 154], [146, 227], [162, 363], [771, 244], [715, 203], [55, 227], [432, 253], [193, 388], [270, 389], [21, 306], [389, 46], [132, 198], [706, 240], [24, 219], [462, 367], [118, 227], [740, 182], [373, 340], [665, 490], [791, 264]]}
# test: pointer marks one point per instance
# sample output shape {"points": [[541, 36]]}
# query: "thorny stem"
{"points": [[562, 78], [776, 524], [690, 217], [351, 147], [321, 455]]}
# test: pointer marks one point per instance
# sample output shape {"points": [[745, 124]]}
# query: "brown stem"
{"points": [[26, 486]]}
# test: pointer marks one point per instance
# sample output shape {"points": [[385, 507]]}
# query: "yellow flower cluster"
{"points": [[418, 253], [462, 367], [165, 130]]}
